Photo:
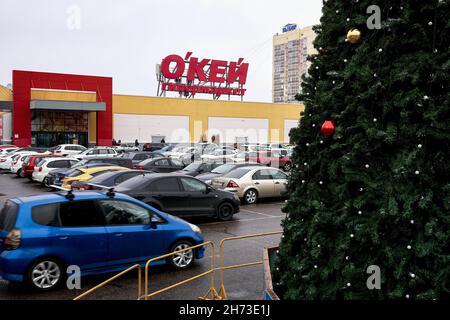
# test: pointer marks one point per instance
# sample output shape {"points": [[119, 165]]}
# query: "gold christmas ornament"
{"points": [[353, 36]]}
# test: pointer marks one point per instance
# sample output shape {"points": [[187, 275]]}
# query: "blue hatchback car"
{"points": [[41, 235]]}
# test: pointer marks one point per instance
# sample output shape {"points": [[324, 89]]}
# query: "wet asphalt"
{"points": [[243, 283]]}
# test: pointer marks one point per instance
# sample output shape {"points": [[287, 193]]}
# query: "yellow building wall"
{"points": [[200, 110], [5, 94], [63, 95]]}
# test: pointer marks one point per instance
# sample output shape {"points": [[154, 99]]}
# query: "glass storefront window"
{"points": [[50, 128]]}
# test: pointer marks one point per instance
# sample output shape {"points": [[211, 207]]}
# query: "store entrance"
{"points": [[50, 128], [50, 139]]}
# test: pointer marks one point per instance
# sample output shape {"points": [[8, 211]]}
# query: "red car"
{"points": [[273, 158], [28, 167]]}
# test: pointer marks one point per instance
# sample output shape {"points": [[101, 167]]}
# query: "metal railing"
{"points": [[211, 292], [104, 283], [222, 292]]}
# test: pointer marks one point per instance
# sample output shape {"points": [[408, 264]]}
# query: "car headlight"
{"points": [[195, 228], [208, 181]]}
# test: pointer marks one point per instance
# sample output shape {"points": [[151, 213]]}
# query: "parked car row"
{"points": [[133, 221]]}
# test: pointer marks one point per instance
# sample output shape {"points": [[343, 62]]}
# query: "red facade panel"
{"points": [[24, 81]]}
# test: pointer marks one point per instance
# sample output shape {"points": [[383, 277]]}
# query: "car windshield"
{"points": [[238, 173], [87, 150], [74, 173], [39, 161], [80, 163], [224, 168], [193, 167], [135, 183]]}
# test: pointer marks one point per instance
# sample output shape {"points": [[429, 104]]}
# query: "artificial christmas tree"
{"points": [[375, 192]]}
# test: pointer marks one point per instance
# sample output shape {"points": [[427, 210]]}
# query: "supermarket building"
{"points": [[45, 109]]}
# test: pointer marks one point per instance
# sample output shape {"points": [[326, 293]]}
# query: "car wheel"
{"points": [[45, 274], [225, 211], [19, 173], [287, 167], [182, 260], [251, 196], [45, 182]]}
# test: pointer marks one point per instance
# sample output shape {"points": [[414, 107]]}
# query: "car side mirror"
{"points": [[208, 190], [153, 222]]}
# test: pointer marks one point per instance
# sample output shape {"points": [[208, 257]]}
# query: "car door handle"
{"points": [[256, 182], [277, 182]]}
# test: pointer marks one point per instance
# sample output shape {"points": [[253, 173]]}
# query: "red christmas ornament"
{"points": [[328, 128]]}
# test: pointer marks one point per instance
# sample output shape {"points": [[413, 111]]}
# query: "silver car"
{"points": [[253, 183]]}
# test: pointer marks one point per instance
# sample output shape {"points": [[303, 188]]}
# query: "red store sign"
{"points": [[192, 75]]}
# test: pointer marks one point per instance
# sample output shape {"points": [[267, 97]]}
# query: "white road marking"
{"points": [[242, 220], [255, 212]]}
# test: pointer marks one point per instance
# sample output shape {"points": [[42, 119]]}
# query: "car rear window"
{"points": [[8, 216], [224, 168], [238, 173], [136, 183], [46, 215]]}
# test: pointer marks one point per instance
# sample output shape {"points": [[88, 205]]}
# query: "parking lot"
{"points": [[245, 283]]}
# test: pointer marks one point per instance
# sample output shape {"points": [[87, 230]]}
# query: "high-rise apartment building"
{"points": [[290, 52]]}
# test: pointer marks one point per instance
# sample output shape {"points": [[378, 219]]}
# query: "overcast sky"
{"points": [[125, 39]]}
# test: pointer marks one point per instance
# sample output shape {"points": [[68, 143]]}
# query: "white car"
{"points": [[219, 154], [5, 151], [67, 149], [97, 152], [177, 153], [240, 157], [7, 160], [16, 165], [126, 147], [45, 165]]}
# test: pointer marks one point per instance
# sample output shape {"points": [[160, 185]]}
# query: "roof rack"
{"points": [[69, 195], [109, 193]]}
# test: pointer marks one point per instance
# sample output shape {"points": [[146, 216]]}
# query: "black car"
{"points": [[138, 156], [160, 165], [181, 195], [108, 179], [222, 170], [197, 168], [115, 161]]}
